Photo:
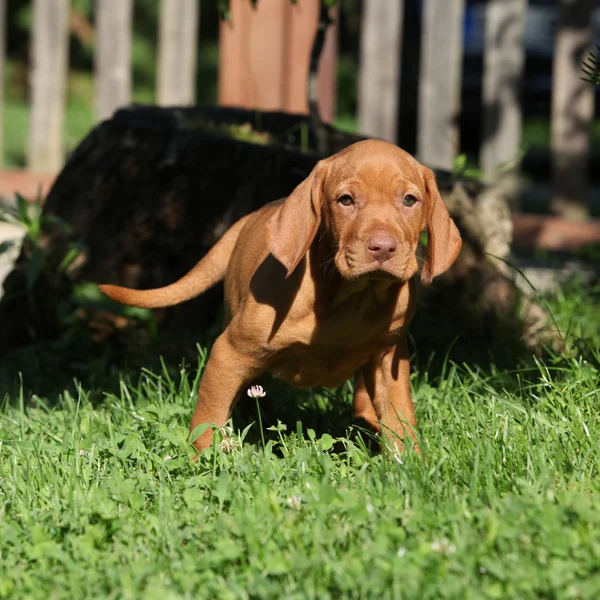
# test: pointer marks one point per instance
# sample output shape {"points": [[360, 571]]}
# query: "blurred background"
{"points": [[499, 97], [491, 82]]}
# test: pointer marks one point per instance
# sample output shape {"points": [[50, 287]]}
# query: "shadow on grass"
{"points": [[323, 410], [491, 347], [46, 368]]}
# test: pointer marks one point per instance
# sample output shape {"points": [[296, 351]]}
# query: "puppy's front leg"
{"points": [[387, 381], [228, 371], [363, 406]]}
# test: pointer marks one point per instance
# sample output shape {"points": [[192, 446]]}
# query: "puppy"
{"points": [[320, 286]]}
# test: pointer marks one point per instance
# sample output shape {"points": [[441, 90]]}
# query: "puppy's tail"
{"points": [[208, 271]]}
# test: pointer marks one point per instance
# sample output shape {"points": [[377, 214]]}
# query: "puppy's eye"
{"points": [[346, 200], [409, 200]]}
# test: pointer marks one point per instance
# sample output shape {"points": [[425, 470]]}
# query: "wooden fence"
{"points": [[263, 64], [440, 88]]}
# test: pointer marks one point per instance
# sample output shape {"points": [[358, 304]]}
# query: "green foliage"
{"points": [[29, 216], [61, 300], [104, 500], [591, 67], [347, 89], [463, 168]]}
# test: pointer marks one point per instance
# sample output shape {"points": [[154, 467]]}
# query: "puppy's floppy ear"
{"points": [[292, 229], [443, 242]]}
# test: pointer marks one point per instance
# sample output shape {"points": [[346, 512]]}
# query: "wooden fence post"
{"points": [[298, 28], [113, 56], [327, 78], [233, 72], [178, 47], [379, 75], [440, 82], [50, 41], [502, 77], [572, 110], [3, 34], [273, 75]]}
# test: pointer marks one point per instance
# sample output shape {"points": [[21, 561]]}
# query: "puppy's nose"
{"points": [[382, 247]]}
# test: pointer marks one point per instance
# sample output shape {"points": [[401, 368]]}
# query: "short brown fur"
{"points": [[320, 286]]}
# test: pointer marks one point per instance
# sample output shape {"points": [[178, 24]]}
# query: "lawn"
{"points": [[102, 499]]}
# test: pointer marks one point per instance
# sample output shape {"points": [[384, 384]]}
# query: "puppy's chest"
{"points": [[337, 345], [328, 364], [354, 328]]}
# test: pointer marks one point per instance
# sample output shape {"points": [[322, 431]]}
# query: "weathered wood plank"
{"points": [[380, 58], [265, 76], [113, 56], [50, 42], [502, 78], [572, 110], [327, 77], [438, 132], [178, 47]]}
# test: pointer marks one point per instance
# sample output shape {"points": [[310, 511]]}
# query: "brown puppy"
{"points": [[319, 286]]}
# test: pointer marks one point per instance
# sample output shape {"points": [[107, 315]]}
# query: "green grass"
{"points": [[102, 498]]}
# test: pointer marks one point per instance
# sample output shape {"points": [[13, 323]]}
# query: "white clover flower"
{"points": [[256, 391], [295, 502], [443, 546], [229, 442]]}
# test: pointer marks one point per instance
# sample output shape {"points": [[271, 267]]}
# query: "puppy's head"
{"points": [[372, 201]]}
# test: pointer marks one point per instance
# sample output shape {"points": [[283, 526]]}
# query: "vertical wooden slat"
{"points": [[50, 42], [379, 76], [502, 77], [3, 34], [440, 82], [265, 53], [300, 25], [233, 66], [178, 47], [255, 51], [572, 110], [327, 78], [273, 74], [113, 55]]}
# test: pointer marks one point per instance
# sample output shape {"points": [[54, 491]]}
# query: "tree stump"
{"points": [[149, 191]]}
